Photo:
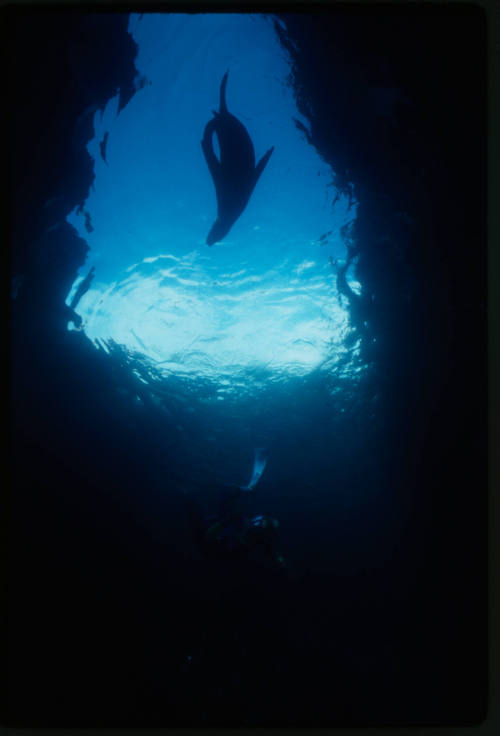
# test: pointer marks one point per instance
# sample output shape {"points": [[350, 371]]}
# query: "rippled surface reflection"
{"points": [[265, 297]]}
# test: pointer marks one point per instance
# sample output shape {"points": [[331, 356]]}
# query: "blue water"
{"points": [[265, 298]]}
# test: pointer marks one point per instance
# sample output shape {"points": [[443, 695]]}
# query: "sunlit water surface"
{"points": [[266, 296]]}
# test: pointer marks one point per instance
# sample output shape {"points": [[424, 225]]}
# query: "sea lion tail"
{"points": [[222, 104]]}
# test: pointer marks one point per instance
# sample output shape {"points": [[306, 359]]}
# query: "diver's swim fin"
{"points": [[259, 464]]}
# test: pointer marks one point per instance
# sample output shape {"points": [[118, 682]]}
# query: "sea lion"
{"points": [[235, 175]]}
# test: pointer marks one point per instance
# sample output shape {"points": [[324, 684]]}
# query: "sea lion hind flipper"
{"points": [[262, 164], [222, 102]]}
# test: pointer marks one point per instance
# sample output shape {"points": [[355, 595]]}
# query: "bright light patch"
{"points": [[266, 296]]}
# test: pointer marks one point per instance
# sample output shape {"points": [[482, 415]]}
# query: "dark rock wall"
{"points": [[62, 67], [396, 99]]}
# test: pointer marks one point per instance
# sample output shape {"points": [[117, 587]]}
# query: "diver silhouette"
{"points": [[233, 533], [235, 175]]}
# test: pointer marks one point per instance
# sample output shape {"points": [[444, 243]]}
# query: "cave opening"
{"points": [[263, 299]]}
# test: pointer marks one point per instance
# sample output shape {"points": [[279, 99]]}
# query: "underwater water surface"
{"points": [[264, 297]]}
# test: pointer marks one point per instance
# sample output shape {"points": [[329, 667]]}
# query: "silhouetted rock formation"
{"points": [[398, 107], [63, 66]]}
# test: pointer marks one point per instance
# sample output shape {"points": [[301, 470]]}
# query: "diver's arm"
{"points": [[208, 149]]}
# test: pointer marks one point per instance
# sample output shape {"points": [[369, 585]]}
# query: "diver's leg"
{"points": [[259, 465]]}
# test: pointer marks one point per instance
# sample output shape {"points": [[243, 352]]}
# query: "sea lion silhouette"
{"points": [[235, 175]]}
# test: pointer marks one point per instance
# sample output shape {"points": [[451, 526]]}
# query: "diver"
{"points": [[235, 533]]}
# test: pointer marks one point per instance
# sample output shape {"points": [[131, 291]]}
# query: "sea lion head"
{"points": [[218, 231]]}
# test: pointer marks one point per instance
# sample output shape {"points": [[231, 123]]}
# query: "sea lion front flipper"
{"points": [[208, 150], [222, 95], [262, 164]]}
